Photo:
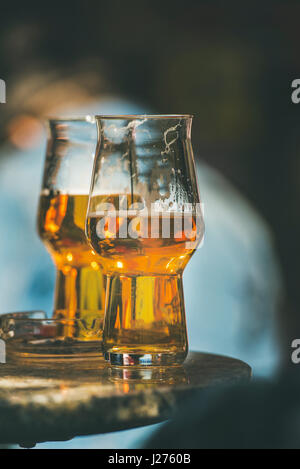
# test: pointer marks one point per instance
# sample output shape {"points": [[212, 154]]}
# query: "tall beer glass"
{"points": [[80, 284], [144, 221]]}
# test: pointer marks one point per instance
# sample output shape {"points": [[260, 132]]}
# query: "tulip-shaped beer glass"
{"points": [[80, 293], [144, 221]]}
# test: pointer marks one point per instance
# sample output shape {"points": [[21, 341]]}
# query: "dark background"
{"points": [[229, 63]]}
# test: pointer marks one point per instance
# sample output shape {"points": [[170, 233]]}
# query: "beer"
{"points": [[144, 257], [80, 286]]}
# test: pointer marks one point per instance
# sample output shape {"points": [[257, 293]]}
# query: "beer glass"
{"points": [[144, 221], [80, 284]]}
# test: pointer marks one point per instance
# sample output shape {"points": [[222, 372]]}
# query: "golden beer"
{"points": [[80, 286], [143, 257]]}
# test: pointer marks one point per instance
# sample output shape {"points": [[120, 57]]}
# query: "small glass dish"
{"points": [[34, 336]]}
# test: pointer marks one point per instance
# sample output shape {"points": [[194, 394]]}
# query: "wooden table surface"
{"points": [[42, 401]]}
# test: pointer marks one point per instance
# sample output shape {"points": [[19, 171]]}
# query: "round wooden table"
{"points": [[41, 401]]}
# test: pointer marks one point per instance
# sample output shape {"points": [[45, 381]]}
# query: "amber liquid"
{"points": [[80, 285], [145, 317]]}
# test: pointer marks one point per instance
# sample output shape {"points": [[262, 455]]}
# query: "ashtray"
{"points": [[33, 335]]}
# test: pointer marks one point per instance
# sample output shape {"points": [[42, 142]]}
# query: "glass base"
{"points": [[144, 321], [144, 359]]}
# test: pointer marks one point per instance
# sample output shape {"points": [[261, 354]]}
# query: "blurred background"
{"points": [[231, 64]]}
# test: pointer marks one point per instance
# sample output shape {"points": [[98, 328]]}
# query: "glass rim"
{"points": [[62, 321], [143, 116], [38, 316], [89, 118]]}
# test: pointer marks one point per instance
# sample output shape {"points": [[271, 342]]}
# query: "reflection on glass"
{"points": [[147, 376]]}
